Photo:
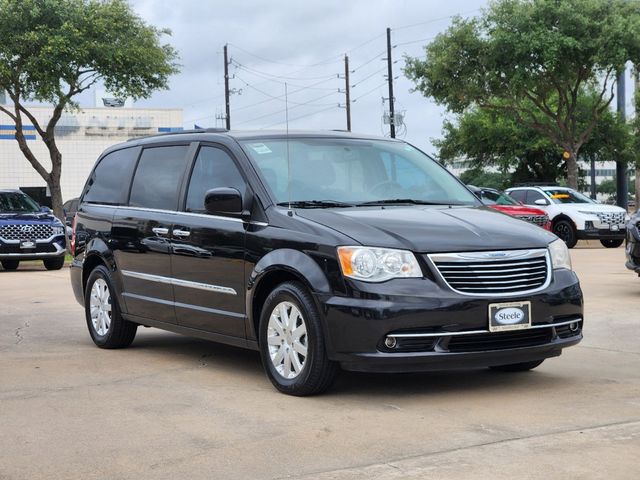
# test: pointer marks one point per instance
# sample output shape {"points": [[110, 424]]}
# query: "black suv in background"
{"points": [[29, 232], [319, 250]]}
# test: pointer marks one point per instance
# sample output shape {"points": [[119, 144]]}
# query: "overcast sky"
{"points": [[269, 41]]}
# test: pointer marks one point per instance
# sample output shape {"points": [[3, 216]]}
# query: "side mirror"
{"points": [[223, 201], [542, 202]]}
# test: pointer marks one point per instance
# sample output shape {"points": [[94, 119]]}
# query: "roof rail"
{"points": [[179, 132], [537, 184]]}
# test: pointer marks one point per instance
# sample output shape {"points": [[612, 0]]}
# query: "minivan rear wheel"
{"points": [[292, 343], [106, 326]]}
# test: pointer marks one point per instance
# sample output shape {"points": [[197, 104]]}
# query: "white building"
{"points": [[81, 137]]}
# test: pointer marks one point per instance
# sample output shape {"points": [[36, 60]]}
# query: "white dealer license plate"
{"points": [[509, 316]]}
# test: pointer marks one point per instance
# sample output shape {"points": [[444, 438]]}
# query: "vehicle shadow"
{"points": [[247, 364]]}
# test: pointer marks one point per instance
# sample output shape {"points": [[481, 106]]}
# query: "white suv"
{"points": [[575, 216]]}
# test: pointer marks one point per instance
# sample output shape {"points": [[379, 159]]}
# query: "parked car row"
{"points": [[319, 250], [568, 213]]}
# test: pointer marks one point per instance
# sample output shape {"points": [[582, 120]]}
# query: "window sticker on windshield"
{"points": [[560, 195], [260, 148]]}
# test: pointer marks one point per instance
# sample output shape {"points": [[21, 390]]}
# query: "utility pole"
{"points": [[347, 101], [226, 89], [621, 169], [392, 117]]}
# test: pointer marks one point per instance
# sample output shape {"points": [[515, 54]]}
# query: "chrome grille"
{"points": [[500, 273], [611, 218], [540, 220], [26, 232]]}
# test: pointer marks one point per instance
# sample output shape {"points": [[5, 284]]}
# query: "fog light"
{"points": [[390, 342], [574, 326]]}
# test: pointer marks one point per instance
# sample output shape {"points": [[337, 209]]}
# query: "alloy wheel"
{"points": [[100, 307], [287, 340]]}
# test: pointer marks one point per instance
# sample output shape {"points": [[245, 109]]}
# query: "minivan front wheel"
{"points": [[292, 343], [106, 326]]}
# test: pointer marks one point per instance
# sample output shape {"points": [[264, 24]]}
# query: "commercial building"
{"points": [[81, 136]]}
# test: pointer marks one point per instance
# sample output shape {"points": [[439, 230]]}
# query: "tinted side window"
{"points": [[109, 181], [533, 195], [519, 195], [213, 168], [158, 177]]}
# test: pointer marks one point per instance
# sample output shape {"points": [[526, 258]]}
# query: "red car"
{"points": [[504, 203]]}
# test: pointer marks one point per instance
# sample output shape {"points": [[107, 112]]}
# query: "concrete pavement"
{"points": [[172, 407]]}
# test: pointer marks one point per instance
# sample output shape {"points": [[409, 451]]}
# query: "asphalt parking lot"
{"points": [[172, 407]]}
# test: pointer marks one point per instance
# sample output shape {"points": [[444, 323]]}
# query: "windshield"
{"points": [[566, 195], [351, 172], [491, 197], [16, 202]]}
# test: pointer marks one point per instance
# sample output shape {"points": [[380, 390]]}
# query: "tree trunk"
{"points": [[572, 170], [56, 199]]}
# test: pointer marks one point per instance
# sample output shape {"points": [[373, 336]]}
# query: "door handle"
{"points": [[181, 233], [160, 230]]}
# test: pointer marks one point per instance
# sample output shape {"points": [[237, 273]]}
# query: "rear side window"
{"points": [[213, 168], [518, 195], [109, 181], [158, 177]]}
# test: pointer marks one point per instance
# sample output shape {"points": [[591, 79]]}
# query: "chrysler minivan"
{"points": [[322, 251]]}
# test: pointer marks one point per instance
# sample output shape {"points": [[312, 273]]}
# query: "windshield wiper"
{"points": [[316, 204], [411, 201]]}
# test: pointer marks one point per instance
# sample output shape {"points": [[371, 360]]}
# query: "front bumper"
{"points": [[42, 250], [601, 234], [442, 330]]}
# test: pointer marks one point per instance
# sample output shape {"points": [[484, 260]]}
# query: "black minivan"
{"points": [[320, 250]]}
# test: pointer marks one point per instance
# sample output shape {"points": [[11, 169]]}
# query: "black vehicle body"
{"points": [[30, 235], [213, 282], [632, 243]]}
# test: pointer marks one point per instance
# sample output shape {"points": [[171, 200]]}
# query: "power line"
{"points": [[434, 20], [332, 105], [273, 97], [311, 87], [297, 118], [369, 91], [369, 61], [322, 62], [284, 77], [369, 76]]}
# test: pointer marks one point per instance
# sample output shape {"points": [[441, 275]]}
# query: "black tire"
{"points": [[120, 332], [518, 367], [612, 243], [54, 263], [317, 372], [565, 230], [10, 264]]}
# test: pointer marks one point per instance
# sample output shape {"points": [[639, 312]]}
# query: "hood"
{"points": [[425, 229], [29, 218], [518, 210]]}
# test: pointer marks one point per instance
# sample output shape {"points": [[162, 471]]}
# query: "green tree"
{"points": [[53, 50], [494, 138], [532, 59], [482, 178], [607, 187]]}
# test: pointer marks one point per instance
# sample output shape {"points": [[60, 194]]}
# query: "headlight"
{"points": [[58, 230], [377, 264], [559, 255]]}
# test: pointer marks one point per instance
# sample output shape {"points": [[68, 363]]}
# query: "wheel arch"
{"points": [[277, 267], [98, 253]]}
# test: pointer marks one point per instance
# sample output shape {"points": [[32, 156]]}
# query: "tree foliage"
{"points": [[53, 50], [493, 138], [534, 60]]}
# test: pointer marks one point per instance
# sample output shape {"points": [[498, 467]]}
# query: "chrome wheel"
{"points": [[100, 307], [287, 340]]}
